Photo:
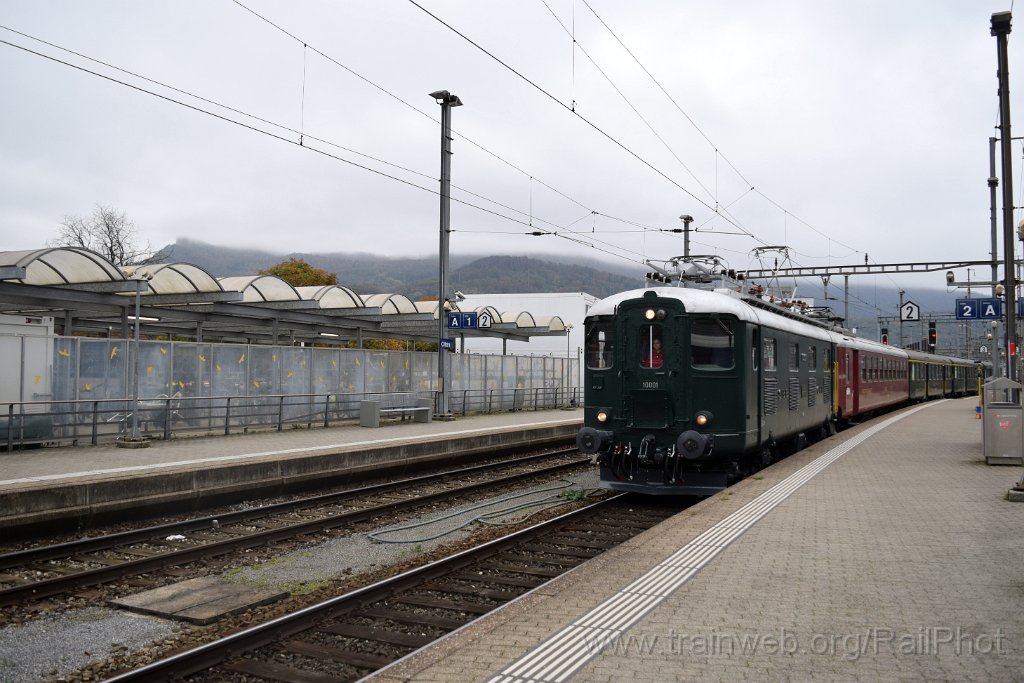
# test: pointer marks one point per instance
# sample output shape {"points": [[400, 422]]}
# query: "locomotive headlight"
{"points": [[649, 314], [602, 416], [703, 418]]}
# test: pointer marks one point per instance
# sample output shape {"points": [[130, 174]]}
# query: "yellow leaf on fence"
{"points": [[113, 353], [64, 353], [149, 369]]}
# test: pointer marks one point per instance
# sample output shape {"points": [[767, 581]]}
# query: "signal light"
{"points": [[885, 335], [932, 336]]}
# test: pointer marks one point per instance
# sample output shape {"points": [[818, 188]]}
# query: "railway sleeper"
{"points": [[378, 635], [362, 660]]}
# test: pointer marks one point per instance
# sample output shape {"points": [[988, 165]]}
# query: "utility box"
{"points": [[1002, 428]]}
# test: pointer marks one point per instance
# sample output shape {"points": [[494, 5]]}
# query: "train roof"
{"points": [[756, 311], [745, 308]]}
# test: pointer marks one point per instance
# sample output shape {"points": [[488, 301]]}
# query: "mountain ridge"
{"points": [[416, 278]]}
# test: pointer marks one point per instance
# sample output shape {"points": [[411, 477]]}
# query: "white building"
{"points": [[571, 307]]}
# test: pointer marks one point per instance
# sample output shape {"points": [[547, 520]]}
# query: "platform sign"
{"points": [[990, 309], [910, 311], [967, 309], [448, 344], [979, 309], [483, 320], [462, 321]]}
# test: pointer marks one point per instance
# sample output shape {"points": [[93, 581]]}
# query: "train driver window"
{"points": [[600, 345], [712, 344], [652, 355]]}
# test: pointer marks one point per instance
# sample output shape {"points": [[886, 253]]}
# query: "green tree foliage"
{"points": [[298, 273]]}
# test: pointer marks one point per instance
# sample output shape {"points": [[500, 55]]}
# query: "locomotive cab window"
{"points": [[712, 344], [652, 352], [600, 345], [770, 358]]}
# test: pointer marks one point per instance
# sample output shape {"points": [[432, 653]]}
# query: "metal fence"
{"points": [[86, 396]]}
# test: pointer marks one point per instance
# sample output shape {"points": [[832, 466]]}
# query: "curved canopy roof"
{"points": [[520, 318], [331, 296], [61, 266], [260, 288], [87, 292], [390, 304], [553, 323], [175, 278]]}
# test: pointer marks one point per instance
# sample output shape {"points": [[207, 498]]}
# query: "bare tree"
{"points": [[108, 232]]}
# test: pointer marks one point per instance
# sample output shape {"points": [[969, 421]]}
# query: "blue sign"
{"points": [[967, 309], [979, 309], [448, 344], [462, 321], [990, 309]]}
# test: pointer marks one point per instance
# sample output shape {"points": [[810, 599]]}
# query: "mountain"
{"points": [[501, 274], [417, 277]]}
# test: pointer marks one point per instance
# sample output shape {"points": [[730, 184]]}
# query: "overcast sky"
{"points": [[862, 126]]}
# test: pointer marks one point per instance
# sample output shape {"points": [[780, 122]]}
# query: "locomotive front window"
{"points": [[600, 345], [712, 344], [652, 353]]}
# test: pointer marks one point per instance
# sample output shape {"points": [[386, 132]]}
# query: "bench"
{"points": [[371, 412]]}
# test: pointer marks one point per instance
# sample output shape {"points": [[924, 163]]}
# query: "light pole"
{"points": [[902, 292], [1001, 29], [447, 101], [568, 363], [134, 441]]}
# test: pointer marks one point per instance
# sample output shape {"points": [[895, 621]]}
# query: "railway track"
{"points": [[348, 637], [37, 573]]}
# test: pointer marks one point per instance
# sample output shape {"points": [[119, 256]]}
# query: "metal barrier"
{"points": [[96, 421]]}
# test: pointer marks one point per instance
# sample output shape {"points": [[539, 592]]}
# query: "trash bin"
{"points": [[1002, 428]]}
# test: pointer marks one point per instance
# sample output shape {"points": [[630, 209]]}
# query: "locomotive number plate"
{"points": [[649, 384]]}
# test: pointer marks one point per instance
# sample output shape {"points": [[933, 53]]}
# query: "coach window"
{"points": [[770, 358], [600, 345], [712, 344], [812, 355], [652, 353]]}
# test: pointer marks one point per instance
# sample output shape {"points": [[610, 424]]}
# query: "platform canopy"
{"points": [[86, 294]]}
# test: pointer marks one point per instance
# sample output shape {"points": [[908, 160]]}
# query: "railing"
{"points": [[162, 417]]}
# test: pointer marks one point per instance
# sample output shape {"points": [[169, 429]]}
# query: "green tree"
{"points": [[298, 273]]}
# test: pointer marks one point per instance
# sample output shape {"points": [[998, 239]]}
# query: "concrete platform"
{"points": [[888, 552], [198, 601], [77, 485]]}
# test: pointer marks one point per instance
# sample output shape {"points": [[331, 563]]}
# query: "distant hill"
{"points": [[503, 274], [417, 277]]}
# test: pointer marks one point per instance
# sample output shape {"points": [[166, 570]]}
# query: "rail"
{"points": [[95, 421]]}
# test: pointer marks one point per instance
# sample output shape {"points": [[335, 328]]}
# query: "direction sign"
{"points": [[448, 344], [910, 311]]}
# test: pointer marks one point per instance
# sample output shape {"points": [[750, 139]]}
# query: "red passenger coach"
{"points": [[869, 377]]}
